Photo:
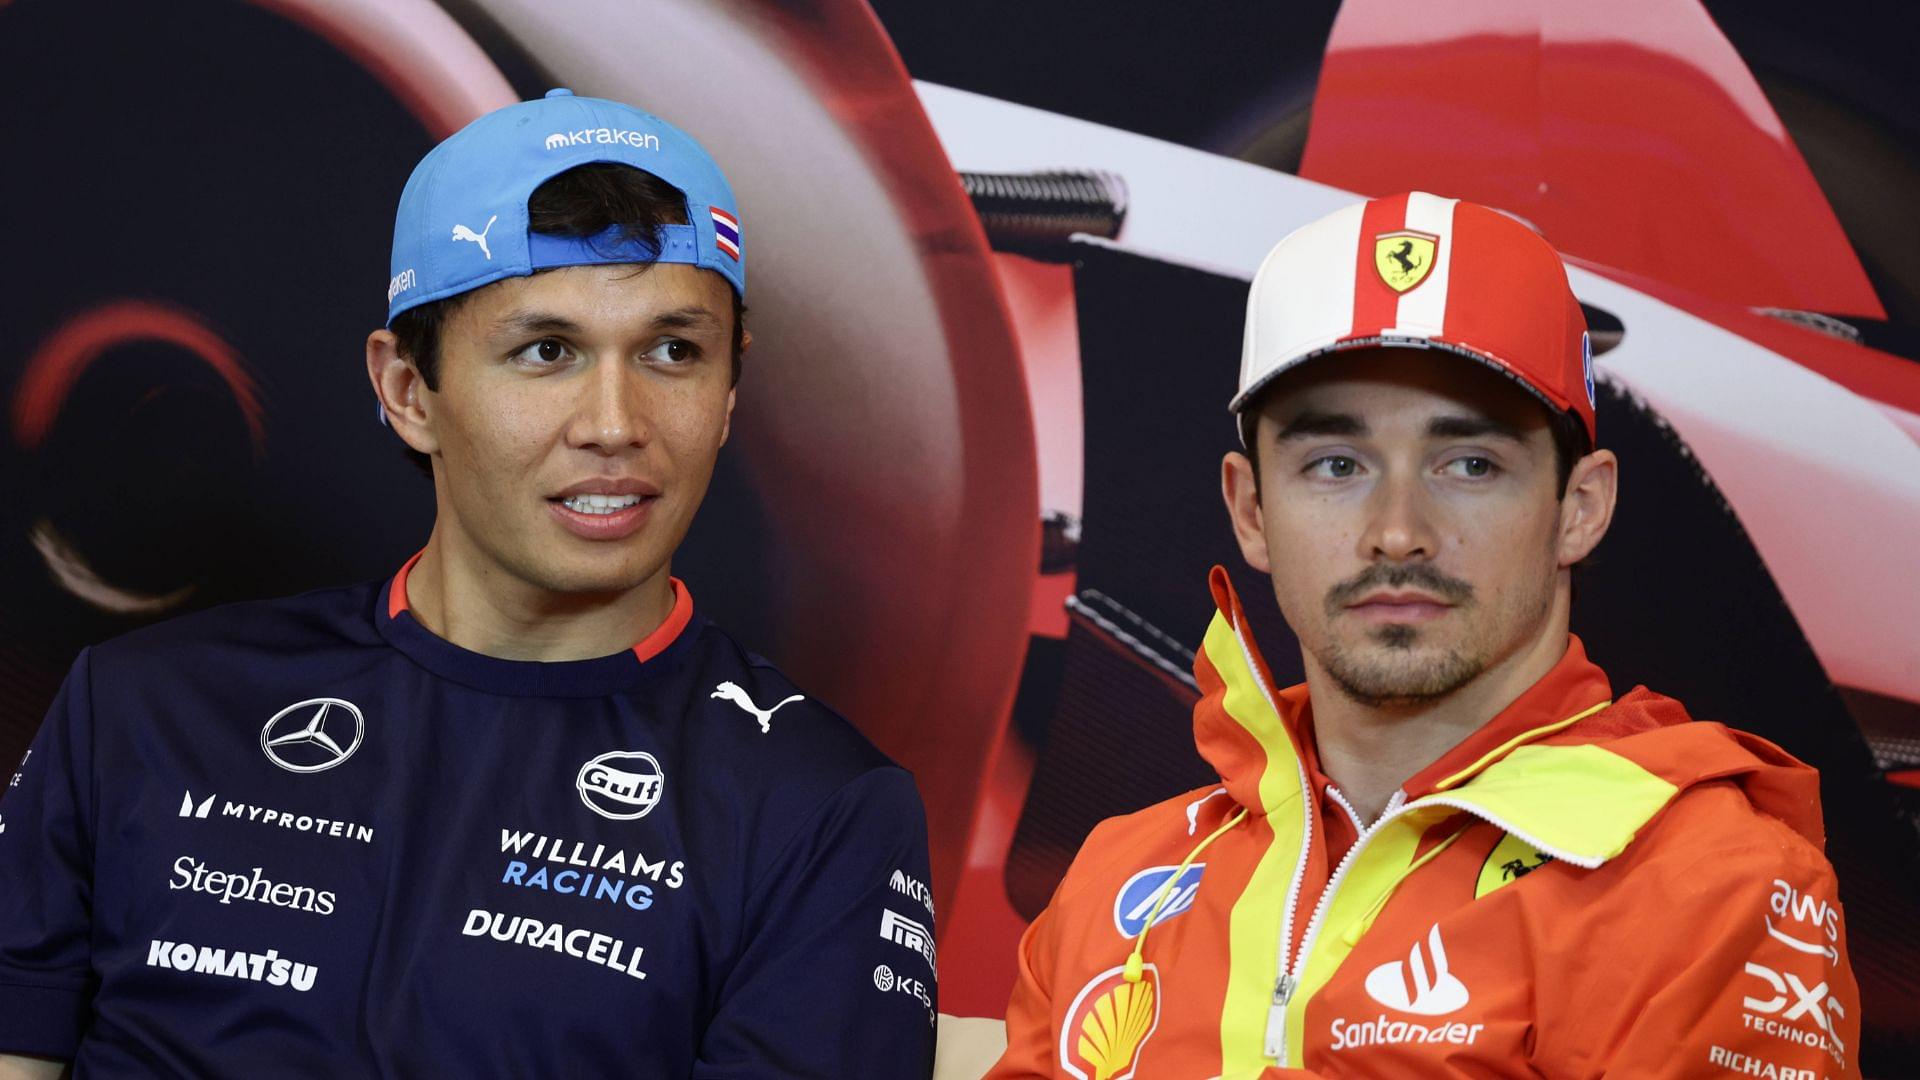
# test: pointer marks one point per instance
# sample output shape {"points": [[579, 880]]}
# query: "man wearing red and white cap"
{"points": [[1454, 850]]}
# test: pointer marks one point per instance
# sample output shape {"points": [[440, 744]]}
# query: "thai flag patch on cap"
{"points": [[726, 233]]}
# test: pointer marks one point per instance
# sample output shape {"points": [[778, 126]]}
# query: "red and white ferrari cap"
{"points": [[1420, 271]]}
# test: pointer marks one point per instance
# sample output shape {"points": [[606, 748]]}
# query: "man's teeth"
{"points": [[600, 504]]}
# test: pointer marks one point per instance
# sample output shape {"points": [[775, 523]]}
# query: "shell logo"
{"points": [[1109, 1024]]}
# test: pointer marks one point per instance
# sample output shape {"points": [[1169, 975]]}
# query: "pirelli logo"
{"points": [[908, 934]]}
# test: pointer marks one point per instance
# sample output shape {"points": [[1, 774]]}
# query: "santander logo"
{"points": [[1422, 984]]}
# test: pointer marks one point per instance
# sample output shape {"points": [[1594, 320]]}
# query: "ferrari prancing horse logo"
{"points": [[1404, 258]]}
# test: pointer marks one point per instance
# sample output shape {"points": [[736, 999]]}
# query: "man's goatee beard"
{"points": [[1391, 685]]}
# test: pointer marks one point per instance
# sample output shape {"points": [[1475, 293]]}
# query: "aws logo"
{"points": [[1109, 1024], [1790, 903]]}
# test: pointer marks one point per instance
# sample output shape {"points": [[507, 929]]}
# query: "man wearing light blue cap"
{"points": [[516, 810]]}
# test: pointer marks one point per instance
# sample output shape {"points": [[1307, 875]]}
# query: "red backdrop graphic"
{"points": [[971, 498]]}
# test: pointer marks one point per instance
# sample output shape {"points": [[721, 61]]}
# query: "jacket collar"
{"points": [[1572, 690]]}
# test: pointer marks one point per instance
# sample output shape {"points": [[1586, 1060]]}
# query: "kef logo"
{"points": [[621, 784], [1136, 898]]}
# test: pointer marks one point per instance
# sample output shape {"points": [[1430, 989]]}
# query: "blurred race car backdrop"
{"points": [[1000, 256]]}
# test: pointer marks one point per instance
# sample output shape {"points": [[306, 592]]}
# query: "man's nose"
{"points": [[611, 415], [1399, 522]]}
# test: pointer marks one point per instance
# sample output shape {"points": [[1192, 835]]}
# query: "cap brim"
{"points": [[1238, 406]]}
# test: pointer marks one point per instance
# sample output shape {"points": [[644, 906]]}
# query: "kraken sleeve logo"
{"points": [[1404, 258], [1109, 1025]]}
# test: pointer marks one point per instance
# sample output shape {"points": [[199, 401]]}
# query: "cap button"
{"points": [[559, 91]]}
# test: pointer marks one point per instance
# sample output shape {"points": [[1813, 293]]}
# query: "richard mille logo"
{"points": [[314, 735]]}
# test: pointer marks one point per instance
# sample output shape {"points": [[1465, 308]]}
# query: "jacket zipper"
{"points": [[1352, 814], [1283, 986], [1289, 981]]}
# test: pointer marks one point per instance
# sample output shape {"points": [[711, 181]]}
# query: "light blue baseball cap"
{"points": [[463, 215]]}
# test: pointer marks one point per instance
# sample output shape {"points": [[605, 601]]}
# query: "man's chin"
{"points": [[1393, 669], [594, 576], [1399, 637]]}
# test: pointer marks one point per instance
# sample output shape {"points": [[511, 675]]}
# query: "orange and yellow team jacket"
{"points": [[1584, 887]]}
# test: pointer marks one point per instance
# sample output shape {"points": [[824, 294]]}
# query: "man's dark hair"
{"points": [[1570, 444], [581, 202]]}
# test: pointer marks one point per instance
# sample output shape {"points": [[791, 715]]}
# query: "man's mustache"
{"points": [[1398, 576]]}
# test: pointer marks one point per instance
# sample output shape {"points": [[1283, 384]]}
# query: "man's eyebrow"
{"points": [[543, 322], [1471, 427], [687, 318], [1309, 424], [535, 322]]}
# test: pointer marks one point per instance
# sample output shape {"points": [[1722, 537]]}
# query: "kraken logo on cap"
{"points": [[1404, 258]]}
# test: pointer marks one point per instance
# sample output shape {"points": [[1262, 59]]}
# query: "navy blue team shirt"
{"points": [[307, 837]]}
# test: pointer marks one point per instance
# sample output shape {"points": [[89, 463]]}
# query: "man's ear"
{"points": [[402, 392], [726, 426], [1241, 493], [1587, 508]]}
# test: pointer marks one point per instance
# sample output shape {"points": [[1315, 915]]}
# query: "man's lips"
{"points": [[606, 524], [608, 485], [1399, 606], [1387, 593], [604, 508]]}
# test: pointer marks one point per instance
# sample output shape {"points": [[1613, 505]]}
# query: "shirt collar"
{"points": [[593, 677]]}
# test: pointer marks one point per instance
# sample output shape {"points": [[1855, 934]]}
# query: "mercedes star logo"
{"points": [[307, 737]]}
